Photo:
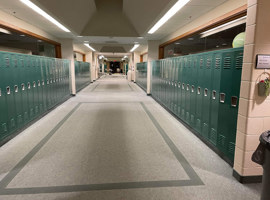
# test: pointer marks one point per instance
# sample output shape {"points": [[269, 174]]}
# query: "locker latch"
{"points": [[8, 90], [222, 98], [16, 88], [214, 93], [234, 101], [199, 90], [205, 92]]}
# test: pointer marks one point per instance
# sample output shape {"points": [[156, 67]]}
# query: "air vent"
{"points": [[218, 63], [201, 63], [227, 62], [208, 63], [239, 62]]}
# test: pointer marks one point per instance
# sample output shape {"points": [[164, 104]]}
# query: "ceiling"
{"points": [[110, 25]]}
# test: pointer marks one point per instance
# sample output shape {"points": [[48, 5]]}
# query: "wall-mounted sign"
{"points": [[263, 62]]}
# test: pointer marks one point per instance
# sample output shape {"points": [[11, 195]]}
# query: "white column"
{"points": [[136, 60], [102, 67], [68, 53], [93, 68], [153, 50], [89, 59]]}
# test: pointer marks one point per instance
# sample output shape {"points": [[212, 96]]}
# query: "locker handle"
{"points": [[38, 83], [183, 86], [175, 84], [179, 84], [187, 87], [222, 98], [192, 88], [214, 93], [234, 101], [199, 90], [8, 90], [16, 88], [34, 84], [205, 92], [28, 86], [48, 82], [23, 87], [43, 83]]}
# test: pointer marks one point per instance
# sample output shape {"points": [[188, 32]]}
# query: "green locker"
{"points": [[175, 109], [207, 75], [183, 91], [216, 71], [188, 72], [193, 86], [179, 88], [235, 91], [224, 99], [199, 93], [3, 117]]}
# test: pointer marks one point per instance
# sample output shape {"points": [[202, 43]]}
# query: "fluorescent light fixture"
{"points": [[90, 47], [134, 47], [79, 36], [44, 14], [223, 27], [177, 6], [5, 31]]}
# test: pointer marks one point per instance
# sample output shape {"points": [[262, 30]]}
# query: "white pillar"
{"points": [[93, 68], [153, 50], [102, 67], [136, 60], [89, 59], [68, 53]]}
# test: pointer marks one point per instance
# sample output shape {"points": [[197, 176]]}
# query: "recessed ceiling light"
{"points": [[79, 36], [90, 47], [136, 42], [44, 14], [176, 7], [22, 35], [39, 40], [190, 38], [86, 41], [134, 47], [140, 37], [177, 43], [5, 31]]}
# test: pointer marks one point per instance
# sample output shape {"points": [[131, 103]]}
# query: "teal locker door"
{"points": [[175, 109], [39, 86], [10, 99], [16, 72], [225, 101], [216, 71], [172, 83], [163, 88], [188, 88], [199, 93], [167, 82], [193, 86], [183, 91], [30, 94], [236, 79], [23, 83], [3, 104], [170, 102], [44, 84], [207, 73], [179, 97], [153, 63], [35, 85]]}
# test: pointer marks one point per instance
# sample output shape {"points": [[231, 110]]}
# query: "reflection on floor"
{"points": [[111, 141]]}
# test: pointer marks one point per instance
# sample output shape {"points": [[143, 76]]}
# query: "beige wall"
{"points": [[24, 25], [254, 111], [145, 57], [213, 14], [79, 57]]}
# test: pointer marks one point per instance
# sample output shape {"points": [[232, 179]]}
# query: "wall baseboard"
{"points": [[247, 179]]}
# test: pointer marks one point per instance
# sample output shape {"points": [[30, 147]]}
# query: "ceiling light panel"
{"points": [[87, 45], [134, 47], [44, 14], [177, 6]]}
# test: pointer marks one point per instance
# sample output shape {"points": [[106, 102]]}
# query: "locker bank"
{"points": [[156, 99]]}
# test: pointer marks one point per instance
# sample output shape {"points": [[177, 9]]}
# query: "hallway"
{"points": [[109, 142]]}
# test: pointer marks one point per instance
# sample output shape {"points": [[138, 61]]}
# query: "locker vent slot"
{"points": [[34, 84], [192, 88], [187, 87], [227, 62], [222, 98], [183, 86], [208, 63], [205, 92], [23, 87], [201, 63], [8, 90], [7, 62], [218, 63], [222, 140], [194, 63], [28, 86], [22, 62], [234, 101], [199, 90], [38, 83], [214, 93], [15, 62], [16, 88], [239, 62]]}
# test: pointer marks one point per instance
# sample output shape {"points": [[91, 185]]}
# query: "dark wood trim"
{"points": [[144, 53], [161, 53], [141, 58], [58, 52], [84, 58], [237, 13]]}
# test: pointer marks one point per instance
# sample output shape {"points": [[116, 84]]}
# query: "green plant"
{"points": [[266, 83]]}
